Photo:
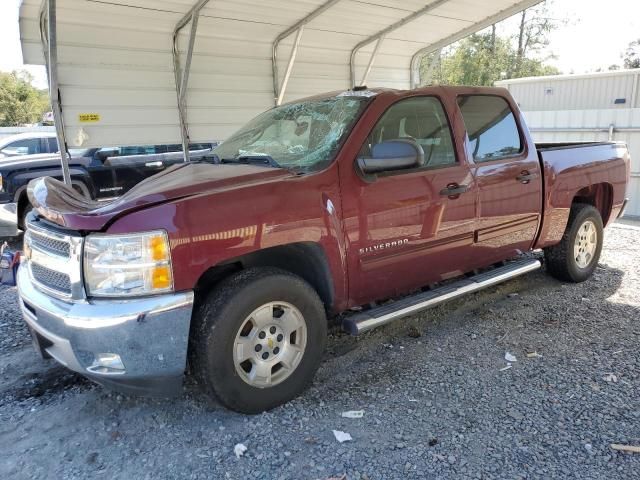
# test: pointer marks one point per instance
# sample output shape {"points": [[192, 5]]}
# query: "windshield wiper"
{"points": [[253, 160]]}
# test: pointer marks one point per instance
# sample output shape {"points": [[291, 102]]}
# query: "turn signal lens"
{"points": [[161, 278], [159, 248]]}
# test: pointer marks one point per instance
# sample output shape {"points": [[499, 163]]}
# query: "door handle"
{"points": [[525, 177], [153, 164], [453, 190]]}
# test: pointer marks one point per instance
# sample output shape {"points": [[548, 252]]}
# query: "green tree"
{"points": [[631, 56], [486, 57], [20, 101], [482, 59]]}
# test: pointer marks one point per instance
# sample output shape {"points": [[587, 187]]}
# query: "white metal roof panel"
{"points": [[115, 57]]}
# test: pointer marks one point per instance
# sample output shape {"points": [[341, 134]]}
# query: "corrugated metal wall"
{"points": [[582, 108], [576, 92]]}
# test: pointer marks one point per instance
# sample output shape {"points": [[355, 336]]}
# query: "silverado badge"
{"points": [[384, 246]]}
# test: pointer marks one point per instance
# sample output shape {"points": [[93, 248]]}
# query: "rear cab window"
{"points": [[491, 127]]}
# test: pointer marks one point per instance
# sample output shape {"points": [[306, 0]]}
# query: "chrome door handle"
{"points": [[453, 190], [525, 177], [153, 164]]}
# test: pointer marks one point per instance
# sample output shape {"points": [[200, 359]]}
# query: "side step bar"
{"points": [[376, 317]]}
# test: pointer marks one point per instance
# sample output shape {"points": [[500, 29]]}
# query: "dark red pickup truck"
{"points": [[312, 209]]}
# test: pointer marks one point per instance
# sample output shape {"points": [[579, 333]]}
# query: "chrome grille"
{"points": [[54, 260], [49, 244], [57, 281]]}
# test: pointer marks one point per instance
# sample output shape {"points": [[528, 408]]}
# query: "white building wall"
{"points": [[576, 92], [582, 108], [9, 131]]}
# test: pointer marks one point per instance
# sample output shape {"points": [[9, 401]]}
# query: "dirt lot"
{"points": [[437, 400]]}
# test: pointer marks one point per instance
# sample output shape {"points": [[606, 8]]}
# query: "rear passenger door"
{"points": [[508, 177]]}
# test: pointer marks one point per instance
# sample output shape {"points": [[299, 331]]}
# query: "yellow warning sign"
{"points": [[88, 117]]}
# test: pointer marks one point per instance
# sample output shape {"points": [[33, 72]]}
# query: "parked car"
{"points": [[29, 143], [47, 118], [97, 173], [316, 208]]}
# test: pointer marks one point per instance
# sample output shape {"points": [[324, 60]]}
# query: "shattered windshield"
{"points": [[302, 136]]}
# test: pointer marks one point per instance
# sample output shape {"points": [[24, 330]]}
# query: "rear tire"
{"points": [[576, 256], [258, 339]]}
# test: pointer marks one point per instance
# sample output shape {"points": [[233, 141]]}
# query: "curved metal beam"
{"points": [[487, 22], [383, 33], [182, 74], [293, 28]]}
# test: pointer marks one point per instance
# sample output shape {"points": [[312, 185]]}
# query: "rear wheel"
{"points": [[258, 339], [576, 256]]}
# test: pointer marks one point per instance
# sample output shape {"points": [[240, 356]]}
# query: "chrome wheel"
{"points": [[585, 244], [270, 344]]}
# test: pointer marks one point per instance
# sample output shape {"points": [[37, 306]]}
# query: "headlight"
{"points": [[125, 265]]}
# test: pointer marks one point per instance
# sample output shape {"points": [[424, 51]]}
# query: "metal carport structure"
{"points": [[155, 71]]}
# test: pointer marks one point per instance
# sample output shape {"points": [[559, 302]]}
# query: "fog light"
{"points": [[107, 363]]}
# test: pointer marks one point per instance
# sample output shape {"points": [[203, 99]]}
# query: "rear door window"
{"points": [[52, 144], [491, 127]]}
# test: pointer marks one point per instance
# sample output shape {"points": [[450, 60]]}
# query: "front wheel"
{"points": [[576, 256], [258, 339]]}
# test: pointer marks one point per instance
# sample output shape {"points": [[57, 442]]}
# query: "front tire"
{"points": [[576, 257], [258, 339]]}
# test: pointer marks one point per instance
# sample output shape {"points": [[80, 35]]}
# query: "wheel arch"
{"points": [[305, 259], [598, 195]]}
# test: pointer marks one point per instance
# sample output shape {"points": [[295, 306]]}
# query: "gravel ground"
{"points": [[437, 400]]}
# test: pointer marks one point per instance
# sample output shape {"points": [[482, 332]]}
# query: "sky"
{"points": [[596, 34]]}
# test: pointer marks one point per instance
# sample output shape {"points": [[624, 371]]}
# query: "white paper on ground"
{"points": [[342, 436]]}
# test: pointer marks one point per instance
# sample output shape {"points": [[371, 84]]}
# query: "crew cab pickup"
{"points": [[97, 173], [363, 205]]}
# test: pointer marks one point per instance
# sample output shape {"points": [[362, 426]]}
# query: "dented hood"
{"points": [[62, 205]]}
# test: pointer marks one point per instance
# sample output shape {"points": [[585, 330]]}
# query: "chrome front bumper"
{"points": [[150, 336], [8, 219]]}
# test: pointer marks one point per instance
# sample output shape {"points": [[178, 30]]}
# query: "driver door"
{"points": [[408, 228]]}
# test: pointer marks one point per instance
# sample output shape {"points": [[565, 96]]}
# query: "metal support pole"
{"points": [[374, 54], [292, 59], [634, 91], [50, 50], [386, 31], [487, 22], [294, 28], [182, 74]]}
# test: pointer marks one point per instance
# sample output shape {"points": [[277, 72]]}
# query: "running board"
{"points": [[376, 317]]}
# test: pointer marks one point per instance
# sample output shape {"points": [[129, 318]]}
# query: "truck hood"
{"points": [[62, 205]]}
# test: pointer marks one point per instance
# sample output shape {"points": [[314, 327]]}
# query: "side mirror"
{"points": [[399, 154], [105, 153]]}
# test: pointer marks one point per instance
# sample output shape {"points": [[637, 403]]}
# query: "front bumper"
{"points": [[8, 219], [150, 335]]}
